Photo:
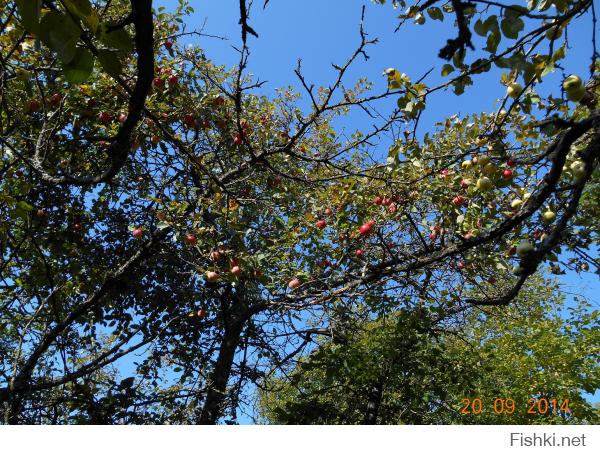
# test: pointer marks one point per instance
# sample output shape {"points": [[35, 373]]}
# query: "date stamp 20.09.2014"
{"points": [[537, 406]]}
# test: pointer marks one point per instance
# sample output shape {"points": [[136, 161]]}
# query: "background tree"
{"points": [[401, 369], [153, 203]]}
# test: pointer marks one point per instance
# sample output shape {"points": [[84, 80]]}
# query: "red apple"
{"points": [[236, 270], [211, 276], [459, 200], [294, 283], [257, 273], [34, 106], [158, 82], [510, 162], [432, 236], [392, 208], [360, 253], [328, 212], [366, 228], [55, 99], [378, 200], [173, 79], [122, 117], [321, 224], [190, 239], [215, 255], [460, 265], [507, 174], [189, 121], [201, 313], [168, 45], [137, 233], [238, 140], [104, 117]]}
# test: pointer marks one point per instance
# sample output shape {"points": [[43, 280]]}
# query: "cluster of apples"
{"points": [[487, 170], [234, 266], [165, 76], [572, 85]]}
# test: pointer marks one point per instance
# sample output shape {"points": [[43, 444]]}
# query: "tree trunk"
{"points": [[373, 403], [213, 407]]}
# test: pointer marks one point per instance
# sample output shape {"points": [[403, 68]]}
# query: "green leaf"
{"points": [[110, 62], [29, 10], [511, 26], [79, 69], [25, 206], [435, 13], [81, 8], [117, 39], [548, 68], [163, 225], [480, 28], [490, 25], [60, 33], [492, 42], [447, 69]]}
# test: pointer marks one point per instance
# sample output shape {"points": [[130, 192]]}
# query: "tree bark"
{"points": [[373, 403], [213, 407]]}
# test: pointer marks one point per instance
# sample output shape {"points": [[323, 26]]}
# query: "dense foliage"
{"points": [[401, 370], [169, 237]]}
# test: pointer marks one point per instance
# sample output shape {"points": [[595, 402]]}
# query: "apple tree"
{"points": [[171, 236]]}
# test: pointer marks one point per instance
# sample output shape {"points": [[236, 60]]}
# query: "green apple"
{"points": [[554, 32], [578, 169], [524, 248], [516, 203], [576, 95], [480, 141], [483, 160], [514, 89], [466, 164], [489, 169], [22, 74], [548, 216], [571, 83], [495, 147], [484, 184]]}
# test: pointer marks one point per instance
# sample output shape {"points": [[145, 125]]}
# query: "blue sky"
{"points": [[321, 32]]}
